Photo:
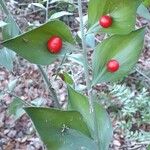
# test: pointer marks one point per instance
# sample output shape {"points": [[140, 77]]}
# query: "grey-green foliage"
{"points": [[143, 12], [135, 109], [6, 58], [16, 108]]}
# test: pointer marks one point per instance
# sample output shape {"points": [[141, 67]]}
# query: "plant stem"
{"points": [[52, 91], [60, 65], [47, 4], [84, 45], [88, 82]]}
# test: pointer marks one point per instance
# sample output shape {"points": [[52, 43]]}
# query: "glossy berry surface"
{"points": [[105, 21], [54, 44], [112, 65]]}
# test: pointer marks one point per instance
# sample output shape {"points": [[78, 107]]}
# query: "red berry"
{"points": [[105, 21], [54, 44], [112, 65]]}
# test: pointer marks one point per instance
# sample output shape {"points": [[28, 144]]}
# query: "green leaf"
{"points": [[123, 13], [11, 29], [143, 12], [124, 48], [16, 108], [33, 44], [66, 1], [148, 148], [66, 78], [6, 58], [79, 102], [60, 14], [95, 11], [77, 58], [38, 5], [61, 130], [146, 3]]}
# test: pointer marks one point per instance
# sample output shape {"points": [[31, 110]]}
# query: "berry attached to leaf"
{"points": [[54, 44], [112, 65], [105, 21]]}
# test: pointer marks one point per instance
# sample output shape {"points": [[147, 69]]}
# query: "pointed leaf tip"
{"points": [[32, 45], [125, 49]]}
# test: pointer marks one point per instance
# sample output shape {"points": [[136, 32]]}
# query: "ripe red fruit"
{"points": [[105, 21], [54, 44], [112, 65]]}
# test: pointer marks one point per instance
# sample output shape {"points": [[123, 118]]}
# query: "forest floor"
{"points": [[19, 134]]}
